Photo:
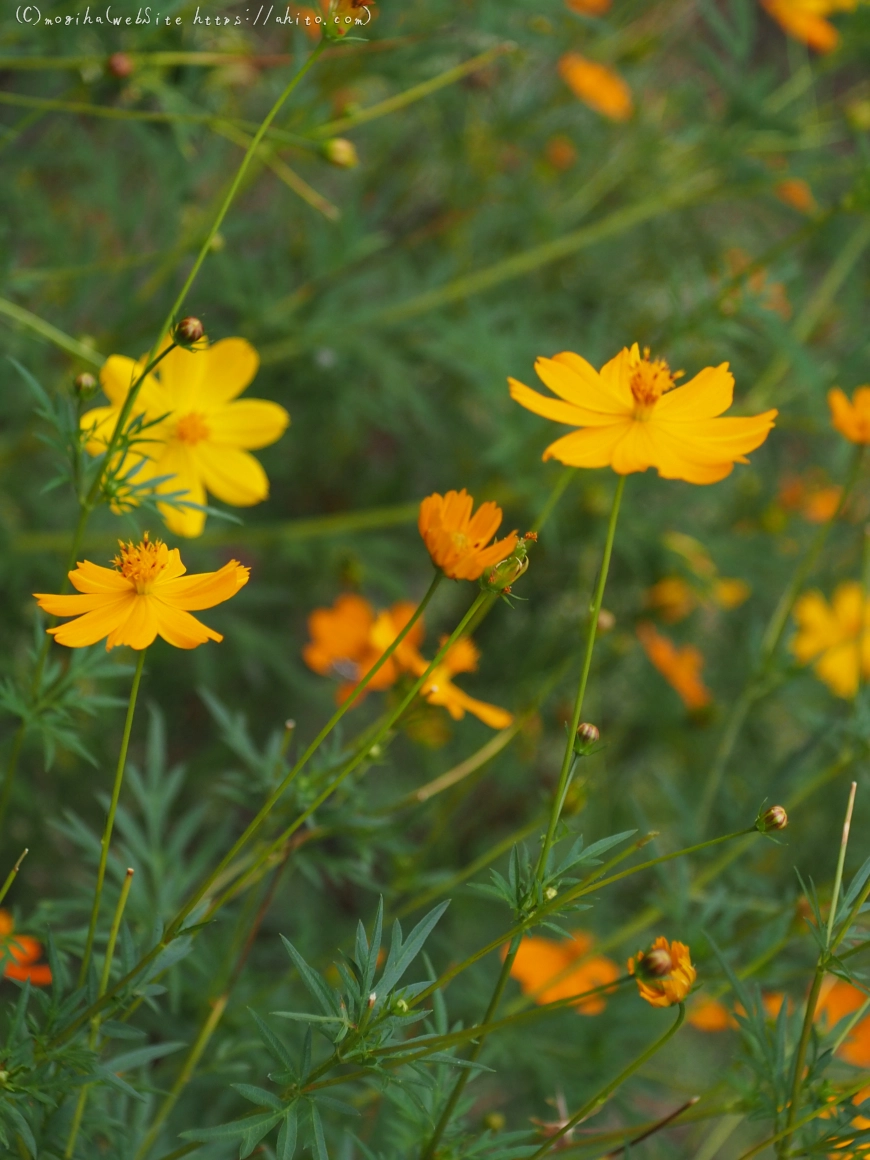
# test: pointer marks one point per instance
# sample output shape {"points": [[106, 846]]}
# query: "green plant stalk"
{"points": [[110, 818], [13, 874], [824, 1110], [770, 642], [50, 333], [611, 1087], [841, 860], [591, 633]]}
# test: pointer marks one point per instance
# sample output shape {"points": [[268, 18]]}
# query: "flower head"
{"points": [[439, 689], [144, 595], [835, 636], [20, 954], [199, 435], [806, 20], [851, 419], [681, 667], [348, 639], [599, 87], [794, 191], [589, 7], [634, 416], [548, 970], [456, 540], [664, 973]]}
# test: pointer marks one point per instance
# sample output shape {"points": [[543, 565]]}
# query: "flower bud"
{"points": [[773, 818], [586, 738], [85, 385], [188, 331], [121, 65], [341, 152], [655, 964], [606, 620], [373, 998], [550, 893]]}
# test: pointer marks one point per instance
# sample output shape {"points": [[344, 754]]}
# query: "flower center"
{"points": [[650, 379], [459, 541], [142, 563], [192, 428]]}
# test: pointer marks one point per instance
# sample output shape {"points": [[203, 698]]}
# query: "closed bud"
{"points": [[373, 998], [341, 152], [655, 964], [586, 738], [188, 331], [401, 1006], [121, 65], [85, 385], [550, 893], [773, 818]]}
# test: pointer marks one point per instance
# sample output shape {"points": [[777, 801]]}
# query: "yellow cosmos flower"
{"points": [[597, 86], [456, 540], [146, 594], [203, 432], [439, 689], [664, 973], [806, 20], [851, 419], [836, 636], [634, 416]]}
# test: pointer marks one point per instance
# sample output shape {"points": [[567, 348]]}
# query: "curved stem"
{"points": [[110, 818]]}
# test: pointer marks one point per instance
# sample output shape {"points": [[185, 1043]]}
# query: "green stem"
{"points": [[611, 1087], [594, 611], [110, 818], [13, 874]]}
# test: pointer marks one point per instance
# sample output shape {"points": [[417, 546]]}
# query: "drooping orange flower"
{"points": [[681, 667], [349, 639], [634, 416], [851, 419], [21, 954], [664, 973], [835, 636], [456, 540], [794, 191], [146, 594], [599, 87], [806, 20], [546, 970], [439, 689]]}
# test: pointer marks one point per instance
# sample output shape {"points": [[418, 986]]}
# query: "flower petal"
{"points": [[231, 366], [183, 376], [93, 626], [179, 463], [573, 379], [232, 475], [554, 409], [591, 447], [204, 589], [138, 628], [709, 393], [90, 577], [249, 423], [179, 628]]}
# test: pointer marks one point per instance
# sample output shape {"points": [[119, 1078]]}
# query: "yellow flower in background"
{"points": [[457, 540], [851, 419], [634, 416], [203, 432], [145, 595], [806, 20], [664, 973], [835, 636], [439, 689], [681, 667], [599, 87]]}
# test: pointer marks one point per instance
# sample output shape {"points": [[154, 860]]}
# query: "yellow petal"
{"points": [[204, 590], [138, 628], [90, 577], [592, 447], [183, 376], [232, 475], [635, 451], [180, 465], [93, 626], [232, 364], [248, 423], [554, 409], [817, 626], [180, 629], [709, 393], [77, 605], [838, 668], [571, 378]]}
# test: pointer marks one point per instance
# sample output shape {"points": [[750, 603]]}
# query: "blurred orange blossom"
{"points": [[545, 970], [21, 954], [806, 20], [670, 979], [835, 636], [599, 87], [681, 667], [851, 419], [456, 540]]}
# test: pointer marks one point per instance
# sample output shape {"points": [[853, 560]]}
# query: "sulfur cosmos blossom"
{"points": [[146, 594], [681, 667], [349, 638], [835, 636], [547, 970], [459, 542], [198, 433], [664, 973], [599, 87], [807, 20], [20, 954], [439, 689], [851, 419], [633, 416]]}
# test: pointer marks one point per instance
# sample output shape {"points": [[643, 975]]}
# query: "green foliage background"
{"points": [[458, 254]]}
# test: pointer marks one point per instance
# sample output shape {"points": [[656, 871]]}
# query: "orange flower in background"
{"points": [[145, 595], [815, 499], [456, 540], [589, 7], [545, 970], [633, 416], [835, 636], [851, 419], [710, 1015], [21, 954], [805, 20], [770, 295], [681, 667], [348, 639], [599, 87], [439, 689], [837, 1000], [664, 973], [794, 191], [561, 152]]}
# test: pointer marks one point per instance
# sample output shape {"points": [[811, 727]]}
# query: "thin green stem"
{"points": [[591, 632], [110, 818], [841, 859], [13, 874], [611, 1087]]}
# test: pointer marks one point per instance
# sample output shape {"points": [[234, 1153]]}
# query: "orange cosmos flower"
{"points": [[146, 594], [545, 970], [664, 973], [599, 87], [851, 419], [681, 667], [634, 416], [806, 20], [456, 540], [20, 954], [461, 657], [794, 191], [836, 636], [350, 638], [589, 7], [710, 1015]]}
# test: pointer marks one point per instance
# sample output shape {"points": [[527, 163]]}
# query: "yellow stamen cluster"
{"points": [[192, 428], [141, 563], [649, 380]]}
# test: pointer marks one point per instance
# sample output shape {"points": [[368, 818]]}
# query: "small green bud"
{"points": [[188, 331], [85, 385], [586, 739], [341, 152], [773, 818]]}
